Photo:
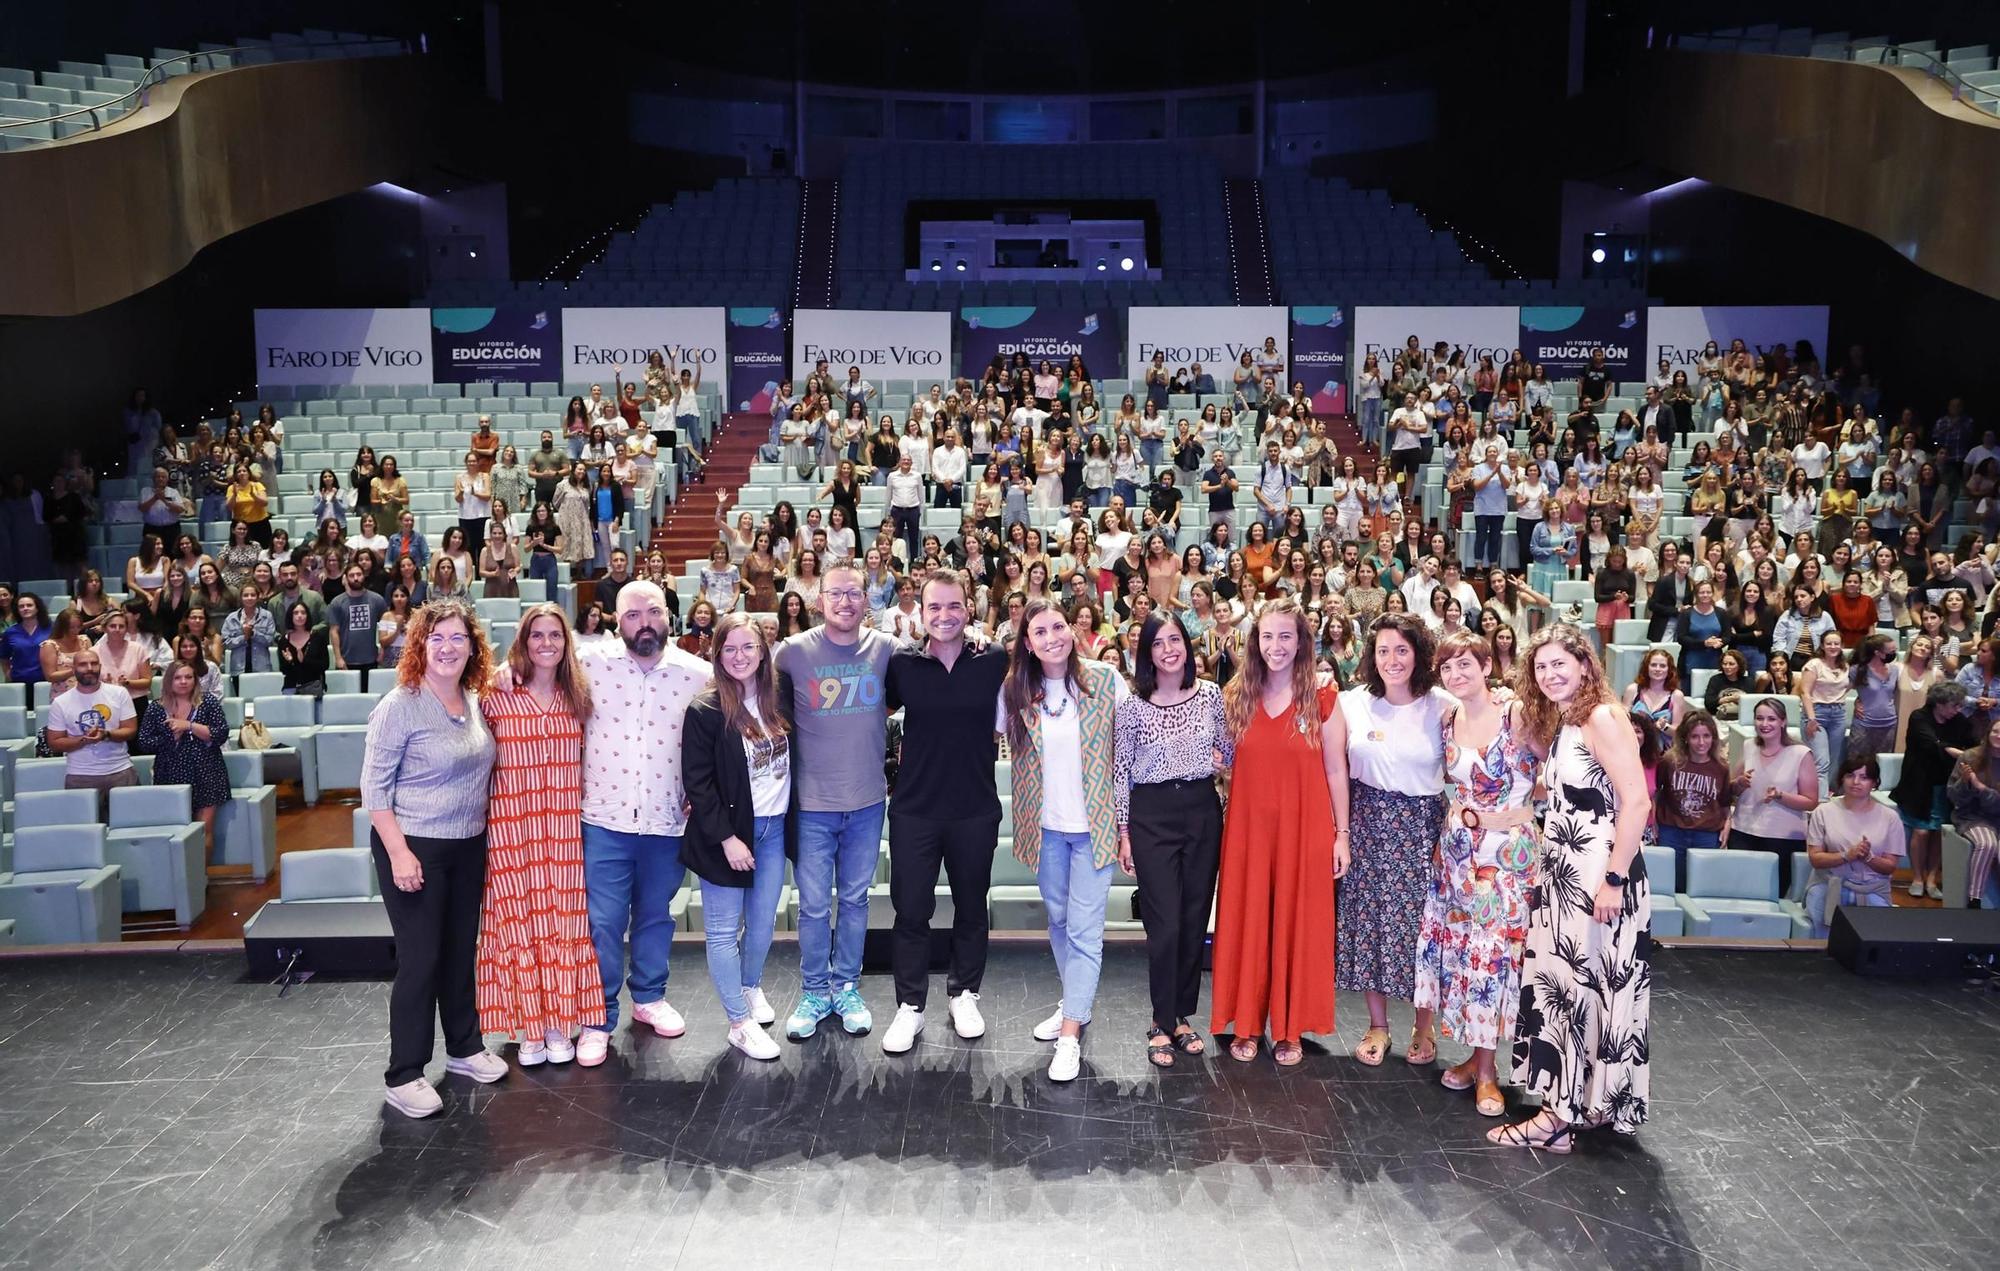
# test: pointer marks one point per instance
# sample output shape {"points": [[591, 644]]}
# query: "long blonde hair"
{"points": [[1544, 716], [768, 721], [1243, 696], [571, 682]]}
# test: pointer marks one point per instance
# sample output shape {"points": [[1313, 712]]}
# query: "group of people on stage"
{"points": [[1379, 839]]}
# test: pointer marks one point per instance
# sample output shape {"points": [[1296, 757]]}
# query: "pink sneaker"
{"points": [[591, 1047], [660, 1017]]}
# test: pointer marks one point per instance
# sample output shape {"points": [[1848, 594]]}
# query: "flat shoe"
{"points": [[1489, 1101], [1243, 1049], [1458, 1076], [1374, 1047]]}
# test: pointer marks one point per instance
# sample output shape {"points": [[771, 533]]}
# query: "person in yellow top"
{"points": [[248, 503], [1837, 508], [392, 493]]}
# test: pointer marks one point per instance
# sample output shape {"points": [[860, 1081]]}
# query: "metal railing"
{"points": [[189, 63], [1865, 52]]}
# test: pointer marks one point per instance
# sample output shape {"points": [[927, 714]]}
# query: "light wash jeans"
{"points": [[1825, 890], [630, 881], [1074, 891], [1829, 744], [837, 851], [739, 920], [1371, 420]]}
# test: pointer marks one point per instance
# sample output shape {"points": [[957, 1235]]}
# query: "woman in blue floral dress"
{"points": [[1476, 915]]}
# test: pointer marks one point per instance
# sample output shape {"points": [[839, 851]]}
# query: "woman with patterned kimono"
{"points": [[1581, 1038], [1475, 917]]}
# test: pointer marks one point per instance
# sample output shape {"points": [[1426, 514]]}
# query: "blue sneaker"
{"points": [[812, 1008], [854, 1016]]}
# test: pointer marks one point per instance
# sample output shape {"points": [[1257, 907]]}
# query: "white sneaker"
{"points": [[661, 1018], [1916, 886], [1051, 1028], [902, 1031], [592, 1044], [559, 1047], [750, 1038], [760, 1007], [531, 1053], [484, 1067], [1934, 891], [413, 1098], [966, 1020], [1067, 1060]]}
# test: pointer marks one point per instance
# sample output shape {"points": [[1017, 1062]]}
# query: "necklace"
{"points": [[1058, 710]]}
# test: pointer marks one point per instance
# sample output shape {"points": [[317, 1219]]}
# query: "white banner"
{"points": [[883, 345], [1213, 335], [1481, 330], [343, 346], [596, 340], [1678, 333]]}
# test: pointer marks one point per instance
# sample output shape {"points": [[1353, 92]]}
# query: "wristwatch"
{"points": [[1614, 878]]}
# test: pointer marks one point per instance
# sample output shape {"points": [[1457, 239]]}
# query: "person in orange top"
{"points": [[1854, 613], [1281, 851], [1260, 559]]}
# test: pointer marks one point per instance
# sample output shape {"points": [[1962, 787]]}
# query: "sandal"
{"points": [[1459, 1076], [1374, 1047], [1535, 1132], [1288, 1054], [1243, 1049], [1188, 1041], [1423, 1048], [1488, 1100], [1159, 1048]]}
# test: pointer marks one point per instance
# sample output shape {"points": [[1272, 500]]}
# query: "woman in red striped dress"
{"points": [[537, 967]]}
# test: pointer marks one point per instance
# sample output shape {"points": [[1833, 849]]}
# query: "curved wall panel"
{"points": [[1883, 149], [96, 219]]}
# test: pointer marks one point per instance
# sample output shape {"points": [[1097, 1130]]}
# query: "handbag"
{"points": [[254, 736]]}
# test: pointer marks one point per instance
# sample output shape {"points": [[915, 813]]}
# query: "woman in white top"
{"points": [[1368, 391], [369, 537], [1812, 455], [1797, 506], [1776, 784], [1531, 496], [1351, 493], [917, 447], [1395, 764], [1048, 475]]}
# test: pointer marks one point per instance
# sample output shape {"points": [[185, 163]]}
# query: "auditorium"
{"points": [[565, 568]]}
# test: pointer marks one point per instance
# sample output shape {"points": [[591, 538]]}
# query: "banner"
{"points": [[1480, 330], [510, 342], [756, 358], [1678, 333], [884, 345], [343, 346], [1561, 337], [597, 341], [1213, 335], [1319, 355], [1042, 333]]}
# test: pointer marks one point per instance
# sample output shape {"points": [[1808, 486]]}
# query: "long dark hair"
{"points": [[1023, 686], [1145, 679]]}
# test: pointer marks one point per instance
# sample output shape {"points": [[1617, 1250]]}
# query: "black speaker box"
{"points": [[1912, 942], [328, 937]]}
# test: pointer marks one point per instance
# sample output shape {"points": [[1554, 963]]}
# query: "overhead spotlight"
{"points": [[1597, 255], [959, 265], [1101, 266], [1126, 264], [936, 265], [473, 254]]}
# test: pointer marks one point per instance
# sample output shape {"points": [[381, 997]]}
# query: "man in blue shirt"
{"points": [[1489, 510]]}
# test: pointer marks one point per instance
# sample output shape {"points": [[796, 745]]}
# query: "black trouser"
{"points": [[260, 532], [909, 526], [1176, 830], [917, 846], [437, 943], [1784, 849], [364, 668], [952, 496], [474, 529]]}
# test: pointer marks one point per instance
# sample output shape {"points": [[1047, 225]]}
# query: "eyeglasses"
{"points": [[437, 641], [845, 594]]}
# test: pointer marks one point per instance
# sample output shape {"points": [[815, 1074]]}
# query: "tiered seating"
{"points": [[79, 96], [734, 245], [877, 186], [1971, 64]]}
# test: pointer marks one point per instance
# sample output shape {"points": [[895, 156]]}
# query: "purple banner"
{"points": [[1561, 338], [510, 342], [1319, 355], [986, 332], [756, 358]]}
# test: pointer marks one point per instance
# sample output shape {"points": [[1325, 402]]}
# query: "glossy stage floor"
{"points": [[160, 1111]]}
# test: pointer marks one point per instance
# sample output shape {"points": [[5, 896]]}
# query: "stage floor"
{"points": [[158, 1111]]}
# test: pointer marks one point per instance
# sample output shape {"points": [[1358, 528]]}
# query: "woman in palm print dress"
{"points": [[1586, 974], [1475, 917]]}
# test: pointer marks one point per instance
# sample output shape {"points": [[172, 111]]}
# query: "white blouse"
{"points": [[1396, 748]]}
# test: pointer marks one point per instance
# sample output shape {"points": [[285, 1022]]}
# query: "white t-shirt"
{"points": [[1812, 458], [1063, 808], [770, 762], [1397, 748], [111, 706], [1407, 440]]}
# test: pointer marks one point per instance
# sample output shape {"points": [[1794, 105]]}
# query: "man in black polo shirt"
{"points": [[1219, 484], [1593, 383], [946, 809]]}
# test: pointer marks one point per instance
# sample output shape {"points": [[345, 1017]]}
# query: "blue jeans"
{"points": [[1829, 743], [1371, 420], [576, 448], [837, 850], [1487, 529], [1837, 892], [1755, 660], [1124, 490], [1098, 498], [1151, 449], [751, 911], [631, 880], [1074, 890], [1681, 840]]}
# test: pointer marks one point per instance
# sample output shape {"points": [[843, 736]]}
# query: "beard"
{"points": [[645, 641]]}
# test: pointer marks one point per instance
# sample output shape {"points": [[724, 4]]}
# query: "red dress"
{"points": [[1274, 905], [537, 966]]}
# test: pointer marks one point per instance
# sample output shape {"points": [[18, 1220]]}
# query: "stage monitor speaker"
{"points": [[1912, 942], [324, 937]]}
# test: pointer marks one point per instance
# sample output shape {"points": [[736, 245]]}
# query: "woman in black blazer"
{"points": [[1671, 593], [736, 767]]}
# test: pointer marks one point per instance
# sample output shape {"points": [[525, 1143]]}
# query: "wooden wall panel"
{"points": [[1883, 149], [96, 219]]}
